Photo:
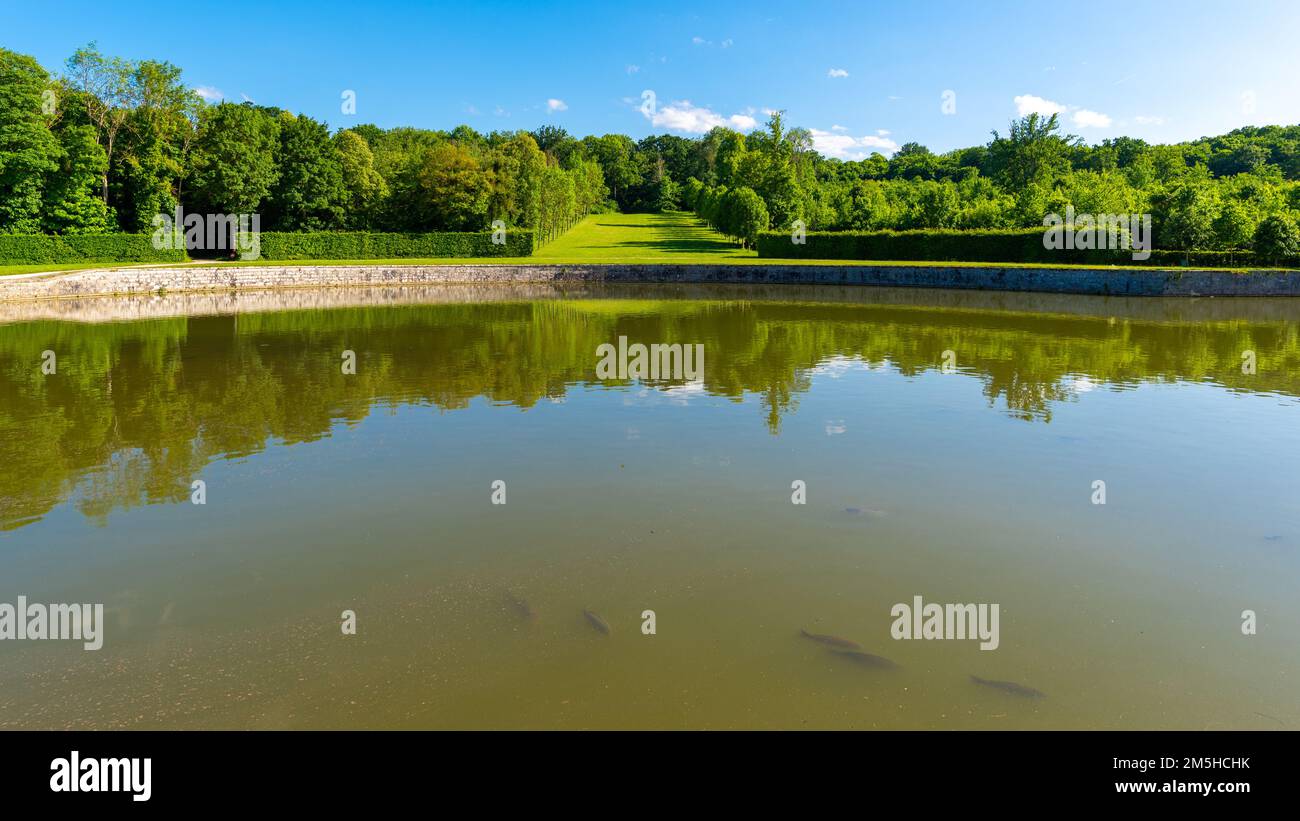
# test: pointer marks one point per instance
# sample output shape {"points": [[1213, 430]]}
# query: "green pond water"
{"points": [[372, 492]]}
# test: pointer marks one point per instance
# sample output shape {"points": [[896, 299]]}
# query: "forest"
{"points": [[106, 144]]}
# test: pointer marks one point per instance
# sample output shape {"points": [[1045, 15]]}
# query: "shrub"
{"points": [[37, 249], [362, 245], [1008, 245]]}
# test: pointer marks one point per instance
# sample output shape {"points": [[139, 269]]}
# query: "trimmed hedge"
{"points": [[37, 249], [361, 245], [1009, 245]]}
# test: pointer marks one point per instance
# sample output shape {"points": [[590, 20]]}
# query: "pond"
{"points": [[423, 509]]}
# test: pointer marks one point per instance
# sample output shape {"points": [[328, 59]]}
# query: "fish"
{"points": [[521, 606], [867, 659], [600, 625], [1010, 687], [833, 641]]}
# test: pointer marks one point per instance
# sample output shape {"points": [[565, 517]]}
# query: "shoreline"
{"points": [[191, 278], [150, 306]]}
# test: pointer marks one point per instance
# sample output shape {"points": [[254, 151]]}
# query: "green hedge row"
{"points": [[360, 245], [37, 249], [1010, 245]]}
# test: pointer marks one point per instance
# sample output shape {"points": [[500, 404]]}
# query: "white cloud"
{"points": [[553, 105], [500, 112], [838, 128], [837, 72], [699, 41], [727, 43], [682, 116], [1083, 118], [1027, 104], [848, 147], [471, 109], [1144, 120], [882, 132], [209, 93], [633, 69]]}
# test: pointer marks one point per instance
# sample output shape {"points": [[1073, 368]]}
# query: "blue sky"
{"points": [[864, 76]]}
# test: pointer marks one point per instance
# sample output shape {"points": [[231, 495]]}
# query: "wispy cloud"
{"points": [[209, 93], [837, 72], [1145, 120], [553, 105], [682, 116], [633, 69]]}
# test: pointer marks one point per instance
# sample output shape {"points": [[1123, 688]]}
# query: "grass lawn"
{"points": [[675, 238]]}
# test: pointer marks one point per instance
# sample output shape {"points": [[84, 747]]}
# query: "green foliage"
{"points": [[361, 245], [308, 194], [1277, 238], [28, 151], [1016, 245], [133, 136], [234, 165], [72, 204], [745, 215], [19, 249]]}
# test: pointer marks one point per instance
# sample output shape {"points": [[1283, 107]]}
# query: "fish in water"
{"points": [[866, 659], [1010, 687], [597, 622], [833, 641], [521, 607], [869, 513]]}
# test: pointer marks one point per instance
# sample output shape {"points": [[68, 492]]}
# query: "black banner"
{"points": [[140, 771]]}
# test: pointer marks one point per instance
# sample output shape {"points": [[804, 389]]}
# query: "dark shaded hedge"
{"points": [[1011, 245], [34, 249], [361, 245]]}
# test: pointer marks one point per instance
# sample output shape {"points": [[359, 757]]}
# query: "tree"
{"points": [[308, 193], [1188, 217], [746, 215], [1031, 153], [234, 158], [364, 188], [105, 87], [1277, 238], [444, 189], [28, 152], [1234, 228], [72, 204]]}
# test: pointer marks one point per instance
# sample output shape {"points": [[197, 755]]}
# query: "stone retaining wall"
{"points": [[211, 278]]}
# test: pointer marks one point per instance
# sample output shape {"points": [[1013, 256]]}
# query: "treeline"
{"points": [[1229, 193], [108, 144]]}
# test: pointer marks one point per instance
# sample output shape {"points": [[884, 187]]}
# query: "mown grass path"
{"points": [[676, 237]]}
